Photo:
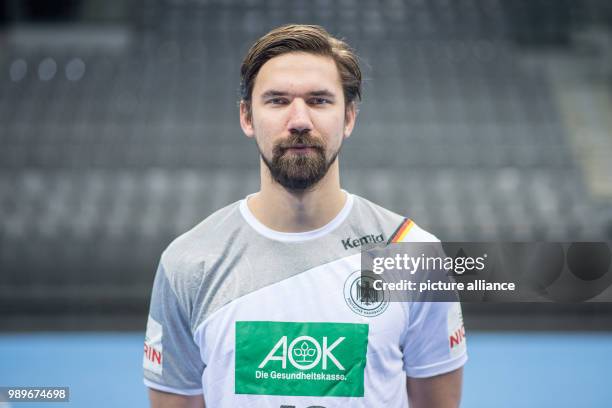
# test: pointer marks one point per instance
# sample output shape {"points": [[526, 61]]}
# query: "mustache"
{"points": [[302, 140]]}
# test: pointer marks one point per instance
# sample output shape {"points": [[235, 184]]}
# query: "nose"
{"points": [[299, 117]]}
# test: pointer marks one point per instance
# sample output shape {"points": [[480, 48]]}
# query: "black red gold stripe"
{"points": [[401, 231]]}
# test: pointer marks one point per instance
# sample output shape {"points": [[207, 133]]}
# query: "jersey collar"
{"points": [[295, 236]]}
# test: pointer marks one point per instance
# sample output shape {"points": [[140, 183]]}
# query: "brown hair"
{"points": [[301, 38]]}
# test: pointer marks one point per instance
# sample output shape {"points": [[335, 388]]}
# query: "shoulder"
{"points": [[401, 228], [188, 252], [414, 233]]}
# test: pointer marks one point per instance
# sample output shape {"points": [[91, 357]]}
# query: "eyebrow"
{"points": [[321, 92]]}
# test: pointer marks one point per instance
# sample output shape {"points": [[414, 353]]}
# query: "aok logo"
{"points": [[304, 353], [323, 359]]}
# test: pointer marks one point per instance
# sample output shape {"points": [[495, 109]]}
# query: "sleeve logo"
{"points": [[456, 330], [152, 359]]}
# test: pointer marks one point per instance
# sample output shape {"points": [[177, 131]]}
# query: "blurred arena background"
{"points": [[481, 120]]}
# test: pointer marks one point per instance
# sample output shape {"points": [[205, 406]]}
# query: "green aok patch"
{"points": [[300, 358]]}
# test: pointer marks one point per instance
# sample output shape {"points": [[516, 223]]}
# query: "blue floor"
{"points": [[504, 370]]}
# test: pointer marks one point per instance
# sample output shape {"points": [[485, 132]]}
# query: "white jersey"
{"points": [[253, 317]]}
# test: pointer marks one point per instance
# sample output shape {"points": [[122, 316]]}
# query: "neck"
{"points": [[297, 211]]}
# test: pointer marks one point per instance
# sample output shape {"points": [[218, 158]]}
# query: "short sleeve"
{"points": [[434, 341], [171, 360]]}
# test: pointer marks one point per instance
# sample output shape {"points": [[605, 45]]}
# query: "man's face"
{"points": [[298, 117]]}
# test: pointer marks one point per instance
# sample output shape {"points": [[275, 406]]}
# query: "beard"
{"points": [[299, 172]]}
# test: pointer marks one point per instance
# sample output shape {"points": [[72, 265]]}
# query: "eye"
{"points": [[277, 101], [319, 101]]}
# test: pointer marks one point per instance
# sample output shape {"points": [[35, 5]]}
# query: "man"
{"points": [[254, 307]]}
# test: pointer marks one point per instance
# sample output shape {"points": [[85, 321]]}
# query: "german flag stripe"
{"points": [[401, 231]]}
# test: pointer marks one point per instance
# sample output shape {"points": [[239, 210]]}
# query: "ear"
{"points": [[246, 119], [350, 116]]}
